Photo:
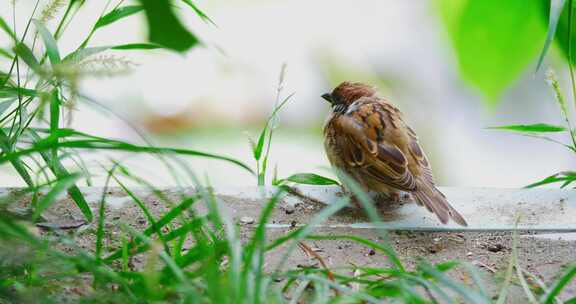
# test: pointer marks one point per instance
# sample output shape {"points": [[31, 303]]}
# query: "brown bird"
{"points": [[366, 138]]}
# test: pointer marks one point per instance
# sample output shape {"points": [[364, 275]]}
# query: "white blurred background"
{"points": [[214, 96]]}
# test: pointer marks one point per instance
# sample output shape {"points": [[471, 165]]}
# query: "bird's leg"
{"points": [[389, 198], [353, 198], [395, 197]]}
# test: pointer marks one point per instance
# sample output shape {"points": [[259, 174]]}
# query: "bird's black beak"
{"points": [[328, 97]]}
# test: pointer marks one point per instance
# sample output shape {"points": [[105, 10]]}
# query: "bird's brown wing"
{"points": [[419, 156], [364, 146], [426, 193]]}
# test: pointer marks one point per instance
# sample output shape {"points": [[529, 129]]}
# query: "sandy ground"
{"points": [[543, 258]]}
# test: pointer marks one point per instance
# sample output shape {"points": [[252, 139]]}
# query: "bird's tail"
{"points": [[429, 196]]}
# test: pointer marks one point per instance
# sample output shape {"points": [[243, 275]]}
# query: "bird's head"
{"points": [[346, 93]]}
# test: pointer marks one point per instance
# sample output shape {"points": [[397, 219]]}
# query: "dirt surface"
{"points": [[543, 259]]}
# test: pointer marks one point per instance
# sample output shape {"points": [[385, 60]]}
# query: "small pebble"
{"points": [[371, 252], [495, 247], [247, 220], [289, 209]]}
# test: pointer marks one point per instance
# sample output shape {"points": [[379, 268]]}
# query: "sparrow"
{"points": [[366, 138]]}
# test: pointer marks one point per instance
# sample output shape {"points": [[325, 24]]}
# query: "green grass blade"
{"points": [[64, 182], [54, 119], [368, 206], [146, 211], [137, 46], [533, 128], [475, 274], [255, 249], [49, 42], [118, 14], [105, 144], [261, 139], [308, 179], [102, 215], [59, 170], [6, 53], [199, 12], [7, 29], [84, 53], [560, 284], [17, 163], [7, 92], [556, 7], [26, 54], [566, 177], [5, 105], [178, 273], [469, 295], [302, 232], [163, 221]]}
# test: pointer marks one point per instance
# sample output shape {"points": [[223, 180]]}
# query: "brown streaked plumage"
{"points": [[366, 138]]}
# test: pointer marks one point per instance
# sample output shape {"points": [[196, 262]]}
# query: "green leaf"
{"points": [[49, 42], [54, 112], [199, 12], [467, 294], [562, 33], [60, 171], [5, 105], [26, 54], [257, 151], [93, 142], [494, 40], [566, 177], [84, 53], [20, 167], [117, 14], [560, 284], [164, 28], [556, 7], [533, 128], [137, 46], [4, 26], [309, 179], [6, 53], [7, 92], [64, 182]]}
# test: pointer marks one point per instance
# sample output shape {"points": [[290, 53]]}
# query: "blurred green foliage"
{"points": [[494, 41], [164, 28]]}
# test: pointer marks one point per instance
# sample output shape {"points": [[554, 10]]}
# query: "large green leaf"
{"points": [[494, 40], [164, 28]]}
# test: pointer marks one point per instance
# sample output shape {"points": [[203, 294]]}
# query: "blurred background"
{"points": [[216, 96]]}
